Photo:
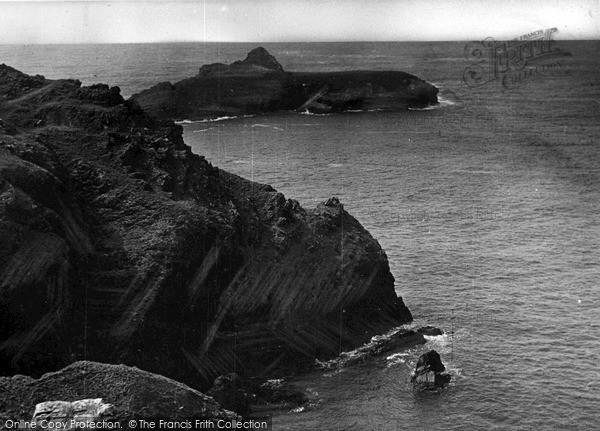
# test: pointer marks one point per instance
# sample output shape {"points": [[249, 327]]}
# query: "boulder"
{"points": [[63, 412], [429, 373], [430, 331]]}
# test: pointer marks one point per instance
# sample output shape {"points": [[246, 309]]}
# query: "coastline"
{"points": [[115, 213]]}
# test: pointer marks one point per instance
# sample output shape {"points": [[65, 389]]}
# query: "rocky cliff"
{"points": [[259, 84], [121, 245]]}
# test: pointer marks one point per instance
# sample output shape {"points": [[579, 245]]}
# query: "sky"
{"points": [[30, 22]]}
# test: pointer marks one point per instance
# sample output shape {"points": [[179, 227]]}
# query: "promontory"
{"points": [[120, 245]]}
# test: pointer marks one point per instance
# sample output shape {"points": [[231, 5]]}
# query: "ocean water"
{"points": [[487, 207]]}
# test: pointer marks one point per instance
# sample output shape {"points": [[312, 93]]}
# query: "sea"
{"points": [[487, 205]]}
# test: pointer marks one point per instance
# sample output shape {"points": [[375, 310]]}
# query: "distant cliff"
{"points": [[121, 245], [259, 84]]}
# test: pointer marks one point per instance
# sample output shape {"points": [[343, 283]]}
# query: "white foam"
{"points": [[266, 126], [307, 112], [427, 108], [212, 120], [445, 102], [397, 358]]}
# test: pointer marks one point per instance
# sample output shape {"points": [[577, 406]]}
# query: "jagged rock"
{"points": [[401, 339], [189, 271], [332, 202], [429, 373], [259, 84], [430, 330], [112, 392], [14, 83], [239, 395], [261, 57]]}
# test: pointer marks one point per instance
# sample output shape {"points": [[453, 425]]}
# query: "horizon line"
{"points": [[275, 42]]}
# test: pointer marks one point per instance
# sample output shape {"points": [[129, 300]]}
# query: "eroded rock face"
{"points": [[103, 392], [122, 245], [259, 84], [429, 373]]}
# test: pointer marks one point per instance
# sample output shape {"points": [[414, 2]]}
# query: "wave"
{"points": [[307, 112], [266, 126], [427, 108], [335, 165], [212, 120], [445, 102], [397, 358], [442, 101], [360, 353]]}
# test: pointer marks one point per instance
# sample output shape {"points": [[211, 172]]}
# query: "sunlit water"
{"points": [[487, 207]]}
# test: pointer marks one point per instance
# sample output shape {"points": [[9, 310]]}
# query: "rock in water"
{"points": [[429, 373], [238, 395], [430, 331], [259, 84]]}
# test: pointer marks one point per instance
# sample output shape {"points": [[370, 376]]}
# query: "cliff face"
{"points": [[259, 84], [120, 244]]}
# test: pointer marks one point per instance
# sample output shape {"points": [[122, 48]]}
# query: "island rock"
{"points": [[258, 84], [429, 372]]}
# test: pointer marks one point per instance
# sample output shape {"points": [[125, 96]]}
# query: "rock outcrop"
{"points": [[429, 373], [125, 393], [120, 245], [431, 331], [244, 396], [259, 84]]}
